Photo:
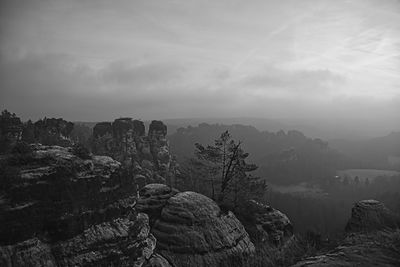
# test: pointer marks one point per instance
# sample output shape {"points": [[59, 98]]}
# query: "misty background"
{"points": [[329, 68]]}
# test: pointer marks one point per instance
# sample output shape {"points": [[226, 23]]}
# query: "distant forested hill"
{"points": [[379, 153], [283, 157]]}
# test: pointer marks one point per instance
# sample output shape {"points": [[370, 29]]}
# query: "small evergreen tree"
{"points": [[229, 171]]}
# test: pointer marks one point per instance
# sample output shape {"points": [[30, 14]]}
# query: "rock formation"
{"points": [[45, 131], [146, 157], [267, 224], [57, 209], [373, 239], [191, 230], [370, 215], [51, 131]]}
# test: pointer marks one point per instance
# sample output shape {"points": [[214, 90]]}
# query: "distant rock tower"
{"points": [[146, 158]]}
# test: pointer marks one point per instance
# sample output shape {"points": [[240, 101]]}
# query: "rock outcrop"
{"points": [[51, 131], [47, 131], [57, 209], [373, 239], [146, 157], [267, 224], [191, 230], [370, 215]]}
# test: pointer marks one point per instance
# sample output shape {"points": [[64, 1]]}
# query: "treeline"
{"points": [[282, 157], [375, 153]]}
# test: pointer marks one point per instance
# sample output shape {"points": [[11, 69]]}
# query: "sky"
{"points": [[98, 60]]}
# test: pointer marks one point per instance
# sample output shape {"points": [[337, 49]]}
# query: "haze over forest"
{"points": [[333, 65]]}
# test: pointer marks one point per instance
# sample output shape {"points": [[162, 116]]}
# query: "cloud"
{"points": [[147, 75], [86, 60], [294, 82]]}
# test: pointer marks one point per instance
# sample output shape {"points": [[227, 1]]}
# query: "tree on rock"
{"points": [[227, 165]]}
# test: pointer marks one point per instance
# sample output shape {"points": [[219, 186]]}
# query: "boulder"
{"points": [[267, 224], [153, 198], [191, 230]]}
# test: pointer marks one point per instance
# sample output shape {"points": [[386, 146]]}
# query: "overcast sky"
{"points": [[97, 60]]}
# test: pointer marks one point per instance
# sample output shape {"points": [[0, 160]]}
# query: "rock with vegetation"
{"points": [[191, 230], [59, 208], [373, 239]]}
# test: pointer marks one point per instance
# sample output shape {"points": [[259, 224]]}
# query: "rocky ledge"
{"points": [[373, 239], [57, 209], [191, 230]]}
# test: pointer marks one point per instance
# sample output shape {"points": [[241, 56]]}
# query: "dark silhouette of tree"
{"points": [[229, 171]]}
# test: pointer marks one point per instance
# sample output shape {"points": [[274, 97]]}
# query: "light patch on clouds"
{"points": [[96, 60]]}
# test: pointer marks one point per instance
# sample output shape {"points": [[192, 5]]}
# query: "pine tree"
{"points": [[226, 162]]}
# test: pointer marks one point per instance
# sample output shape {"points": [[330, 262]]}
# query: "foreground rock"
{"points": [[267, 224], [373, 239], [191, 230], [57, 209]]}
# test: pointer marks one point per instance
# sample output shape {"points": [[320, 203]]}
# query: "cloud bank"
{"points": [[96, 60]]}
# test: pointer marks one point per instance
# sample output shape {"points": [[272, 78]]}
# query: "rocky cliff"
{"points": [[373, 239], [191, 230], [146, 157], [57, 209]]}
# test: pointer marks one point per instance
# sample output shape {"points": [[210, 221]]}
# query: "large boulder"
{"points": [[191, 230]]}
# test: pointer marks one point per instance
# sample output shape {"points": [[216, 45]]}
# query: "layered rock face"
{"points": [[369, 215], [270, 224], [57, 209], [45, 131], [191, 230], [373, 239], [146, 157]]}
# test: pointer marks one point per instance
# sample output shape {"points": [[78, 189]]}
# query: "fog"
{"points": [[328, 64]]}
